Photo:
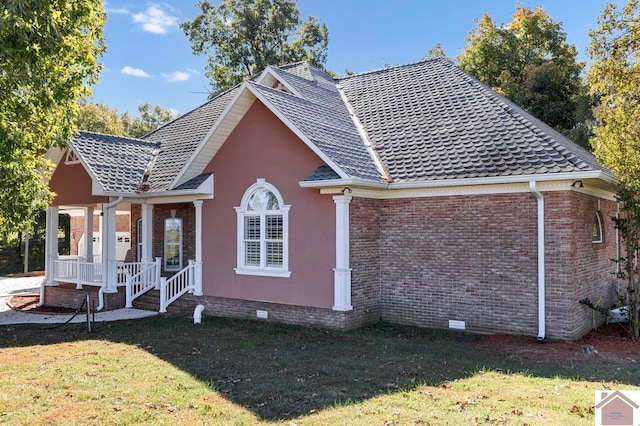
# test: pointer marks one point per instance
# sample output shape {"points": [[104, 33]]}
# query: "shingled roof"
{"points": [[419, 122], [117, 163], [432, 121]]}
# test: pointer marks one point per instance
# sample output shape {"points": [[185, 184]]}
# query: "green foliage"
{"points": [[437, 51], [48, 58], [97, 117], [242, 37], [615, 77], [530, 62]]}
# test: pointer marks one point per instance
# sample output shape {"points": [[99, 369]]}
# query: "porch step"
{"points": [[150, 301]]}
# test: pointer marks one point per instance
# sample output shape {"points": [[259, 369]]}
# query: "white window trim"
{"points": [[241, 212], [166, 267], [139, 241], [599, 218]]}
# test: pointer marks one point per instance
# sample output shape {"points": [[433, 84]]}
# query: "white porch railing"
{"points": [[147, 277], [171, 289], [76, 271], [129, 268]]}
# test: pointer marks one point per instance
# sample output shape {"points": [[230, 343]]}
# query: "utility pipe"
{"points": [[197, 314], [541, 267]]}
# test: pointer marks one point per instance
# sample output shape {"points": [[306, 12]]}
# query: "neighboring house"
{"points": [[412, 194]]}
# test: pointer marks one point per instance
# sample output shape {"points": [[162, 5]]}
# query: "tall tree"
{"points": [[530, 62], [241, 37], [615, 77], [97, 117], [49, 53]]}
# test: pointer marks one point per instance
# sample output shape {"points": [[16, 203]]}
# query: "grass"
{"points": [[169, 371]]}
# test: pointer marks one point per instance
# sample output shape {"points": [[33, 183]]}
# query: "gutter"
{"points": [[541, 266], [458, 182]]}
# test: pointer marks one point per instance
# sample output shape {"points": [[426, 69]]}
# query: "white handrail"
{"points": [[141, 282], [171, 289]]}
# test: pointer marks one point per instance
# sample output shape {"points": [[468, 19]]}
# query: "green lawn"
{"points": [[169, 371]]}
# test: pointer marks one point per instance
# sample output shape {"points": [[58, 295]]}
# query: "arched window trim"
{"points": [[241, 212], [597, 221]]}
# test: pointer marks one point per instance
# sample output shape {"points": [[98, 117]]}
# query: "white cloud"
{"points": [[174, 112], [135, 72], [155, 19], [120, 11], [177, 76]]}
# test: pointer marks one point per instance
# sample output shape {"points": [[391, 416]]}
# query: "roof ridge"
{"points": [[218, 95], [118, 136], [525, 117], [391, 68]]}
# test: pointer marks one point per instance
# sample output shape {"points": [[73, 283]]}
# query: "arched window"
{"points": [[263, 232], [596, 230]]}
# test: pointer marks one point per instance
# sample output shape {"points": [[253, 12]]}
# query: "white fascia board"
{"points": [[299, 133], [271, 72], [205, 140], [457, 182]]}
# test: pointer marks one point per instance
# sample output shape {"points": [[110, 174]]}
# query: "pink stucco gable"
{"points": [[261, 146], [72, 185]]}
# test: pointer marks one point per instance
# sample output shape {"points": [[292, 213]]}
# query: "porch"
{"points": [[111, 282]]}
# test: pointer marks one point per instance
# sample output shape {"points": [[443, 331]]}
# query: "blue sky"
{"points": [[149, 59]]}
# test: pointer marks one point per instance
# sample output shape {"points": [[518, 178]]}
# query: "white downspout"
{"points": [[541, 268], [105, 274]]}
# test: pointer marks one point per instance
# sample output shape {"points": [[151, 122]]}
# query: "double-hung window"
{"points": [[263, 240]]}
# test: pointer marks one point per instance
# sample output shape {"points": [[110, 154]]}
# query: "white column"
{"points": [[88, 234], [109, 249], [51, 243], [147, 233], [342, 271], [198, 263]]}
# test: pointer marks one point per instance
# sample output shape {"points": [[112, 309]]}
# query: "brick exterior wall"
{"points": [[161, 212], [123, 224], [424, 261], [66, 296], [474, 258]]}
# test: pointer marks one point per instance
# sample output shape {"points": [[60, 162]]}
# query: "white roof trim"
{"points": [[459, 182], [364, 135], [243, 90], [273, 73]]}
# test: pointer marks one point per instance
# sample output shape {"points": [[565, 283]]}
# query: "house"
{"points": [[414, 194], [616, 408]]}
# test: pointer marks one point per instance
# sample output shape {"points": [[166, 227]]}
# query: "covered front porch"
{"points": [[98, 267]]}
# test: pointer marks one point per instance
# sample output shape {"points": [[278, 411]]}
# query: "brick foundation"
{"points": [[66, 296]]}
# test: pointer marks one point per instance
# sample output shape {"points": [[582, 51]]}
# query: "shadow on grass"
{"points": [[281, 372]]}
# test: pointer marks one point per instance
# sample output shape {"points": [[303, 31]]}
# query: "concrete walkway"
{"points": [[11, 286]]}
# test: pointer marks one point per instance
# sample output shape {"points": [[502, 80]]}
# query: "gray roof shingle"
{"points": [[426, 121], [179, 138], [431, 121], [193, 183], [117, 162]]}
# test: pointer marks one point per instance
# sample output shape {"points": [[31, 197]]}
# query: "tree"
{"points": [[97, 117], [615, 77], [49, 53], [149, 118], [437, 51], [530, 62], [242, 37]]}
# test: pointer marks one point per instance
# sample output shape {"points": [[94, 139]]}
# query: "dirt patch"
{"points": [[606, 343], [29, 303]]}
